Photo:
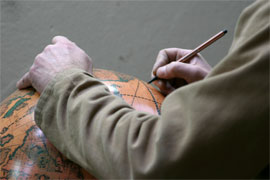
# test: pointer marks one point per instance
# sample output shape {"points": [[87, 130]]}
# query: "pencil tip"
{"points": [[225, 31], [149, 82]]}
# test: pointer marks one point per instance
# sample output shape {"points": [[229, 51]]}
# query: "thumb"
{"points": [[181, 70], [24, 82]]}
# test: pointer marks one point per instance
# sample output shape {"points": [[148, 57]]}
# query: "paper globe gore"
{"points": [[25, 153]]}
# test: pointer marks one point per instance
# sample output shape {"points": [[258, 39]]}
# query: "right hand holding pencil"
{"points": [[173, 75]]}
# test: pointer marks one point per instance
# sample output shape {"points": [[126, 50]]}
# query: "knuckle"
{"points": [[56, 37], [68, 45], [48, 48], [163, 56], [32, 69], [38, 57], [162, 51]]}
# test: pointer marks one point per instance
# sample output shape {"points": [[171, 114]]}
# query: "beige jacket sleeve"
{"points": [[215, 128]]}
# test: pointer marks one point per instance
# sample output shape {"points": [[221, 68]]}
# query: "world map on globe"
{"points": [[25, 152]]}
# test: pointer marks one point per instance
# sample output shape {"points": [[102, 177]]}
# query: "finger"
{"points": [[185, 71], [164, 86], [168, 55], [161, 60], [61, 39], [174, 54], [24, 82]]}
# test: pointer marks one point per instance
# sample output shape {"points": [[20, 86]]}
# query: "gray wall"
{"points": [[120, 36]]}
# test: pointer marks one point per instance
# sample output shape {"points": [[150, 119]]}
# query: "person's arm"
{"points": [[94, 128], [214, 128]]}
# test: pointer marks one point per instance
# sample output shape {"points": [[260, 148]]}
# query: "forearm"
{"points": [[91, 126]]}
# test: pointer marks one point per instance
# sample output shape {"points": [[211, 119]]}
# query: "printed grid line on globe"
{"points": [[135, 92], [25, 152]]}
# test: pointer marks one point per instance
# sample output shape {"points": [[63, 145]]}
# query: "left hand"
{"points": [[60, 55]]}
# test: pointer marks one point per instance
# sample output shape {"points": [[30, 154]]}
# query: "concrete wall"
{"points": [[118, 35]]}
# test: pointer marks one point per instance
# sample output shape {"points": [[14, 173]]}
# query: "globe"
{"points": [[25, 152]]}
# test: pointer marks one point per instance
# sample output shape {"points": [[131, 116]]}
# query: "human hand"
{"points": [[174, 74], [60, 55]]}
